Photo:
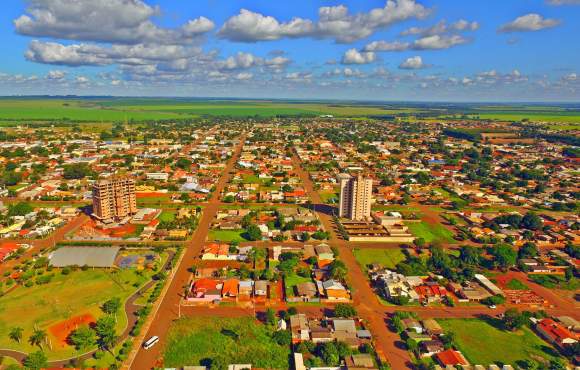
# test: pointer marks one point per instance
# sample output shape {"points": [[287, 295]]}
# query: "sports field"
{"points": [[483, 343], [66, 296], [218, 343]]}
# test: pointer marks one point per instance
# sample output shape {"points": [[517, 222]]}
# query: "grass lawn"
{"points": [[78, 293], [328, 197], [482, 343], [291, 280], [218, 343], [153, 200], [227, 235], [167, 216], [431, 233], [515, 284], [388, 257]]}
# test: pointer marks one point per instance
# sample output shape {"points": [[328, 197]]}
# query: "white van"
{"points": [[151, 342]]}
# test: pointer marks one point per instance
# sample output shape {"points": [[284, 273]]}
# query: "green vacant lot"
{"points": [[388, 257], [432, 233], [227, 235], [222, 341], [482, 343], [80, 292]]}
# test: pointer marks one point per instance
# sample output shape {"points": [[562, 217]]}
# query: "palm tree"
{"points": [[37, 338], [16, 334]]}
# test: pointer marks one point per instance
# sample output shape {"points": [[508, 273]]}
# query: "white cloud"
{"points": [[441, 27], [56, 75], [415, 62], [242, 76], [82, 80], [334, 22], [114, 21], [436, 42], [353, 56], [387, 46], [529, 22]]}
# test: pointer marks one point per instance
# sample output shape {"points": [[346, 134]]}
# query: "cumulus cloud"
{"points": [[415, 62], [434, 42], [386, 46], [529, 22], [442, 27], [334, 22], [437, 42], [112, 21], [56, 75], [353, 56]]}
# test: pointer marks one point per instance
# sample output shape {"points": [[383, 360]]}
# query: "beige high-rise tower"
{"points": [[114, 199], [355, 197]]}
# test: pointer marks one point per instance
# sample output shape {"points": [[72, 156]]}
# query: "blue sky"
{"points": [[452, 50]]}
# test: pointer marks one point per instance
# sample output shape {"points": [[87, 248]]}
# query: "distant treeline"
{"points": [[459, 133]]}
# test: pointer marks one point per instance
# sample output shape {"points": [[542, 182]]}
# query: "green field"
{"points": [[227, 235], [76, 110], [167, 216], [78, 293], [220, 342], [388, 257], [482, 343], [431, 233], [109, 110]]}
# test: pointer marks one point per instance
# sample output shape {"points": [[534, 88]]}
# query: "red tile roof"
{"points": [[451, 357]]}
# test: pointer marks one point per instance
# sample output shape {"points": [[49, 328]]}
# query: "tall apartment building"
{"points": [[114, 199], [355, 197]]}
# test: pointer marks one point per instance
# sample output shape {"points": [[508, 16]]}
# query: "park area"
{"points": [[65, 300], [430, 232], [222, 341], [482, 341], [386, 257]]}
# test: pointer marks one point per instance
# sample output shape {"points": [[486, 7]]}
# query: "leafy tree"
{"points": [[282, 337], [532, 221], [76, 171], [513, 319], [253, 233], [112, 306], [83, 337], [270, 317], [528, 250], [504, 255], [344, 310], [183, 163], [36, 361], [329, 354], [105, 329], [19, 209], [15, 334], [37, 337], [470, 255], [338, 270]]}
